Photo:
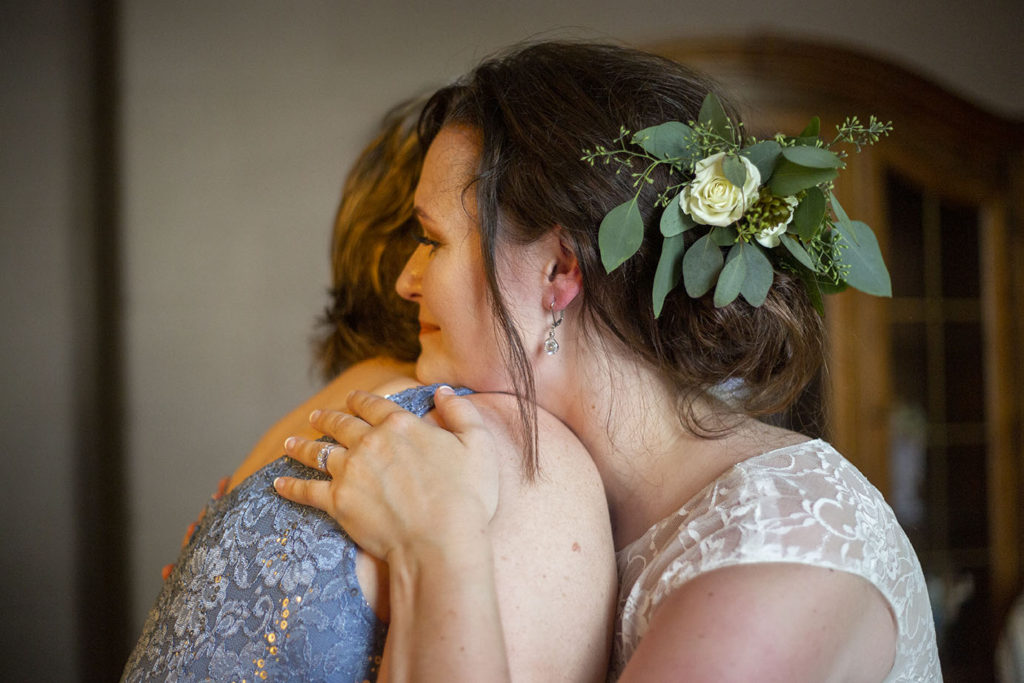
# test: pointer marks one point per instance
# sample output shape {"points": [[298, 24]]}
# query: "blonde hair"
{"points": [[372, 240]]}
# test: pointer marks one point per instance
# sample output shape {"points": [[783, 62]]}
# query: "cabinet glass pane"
{"points": [[906, 237], [960, 255]]}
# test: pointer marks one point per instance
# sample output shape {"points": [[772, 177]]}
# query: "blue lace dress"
{"points": [[265, 590]]}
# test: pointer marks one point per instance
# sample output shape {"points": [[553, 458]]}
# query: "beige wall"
{"points": [[239, 121]]}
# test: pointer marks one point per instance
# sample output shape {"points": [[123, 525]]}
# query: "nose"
{"points": [[408, 283]]}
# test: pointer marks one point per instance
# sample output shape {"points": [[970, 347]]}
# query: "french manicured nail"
{"points": [[445, 389], [314, 416], [289, 443]]}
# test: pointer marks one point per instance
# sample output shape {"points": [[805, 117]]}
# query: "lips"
{"points": [[427, 328]]}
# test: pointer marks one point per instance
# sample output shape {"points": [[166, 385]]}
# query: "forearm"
{"points": [[445, 622]]}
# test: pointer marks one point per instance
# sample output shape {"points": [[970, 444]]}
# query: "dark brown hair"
{"points": [[538, 107], [372, 240]]}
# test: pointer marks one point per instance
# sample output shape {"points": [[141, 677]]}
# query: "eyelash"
{"points": [[433, 244]]}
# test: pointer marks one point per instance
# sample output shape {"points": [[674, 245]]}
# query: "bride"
{"points": [[745, 551]]}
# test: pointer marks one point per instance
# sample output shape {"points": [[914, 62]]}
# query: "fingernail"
{"points": [[445, 389], [289, 443], [277, 483], [314, 416]]}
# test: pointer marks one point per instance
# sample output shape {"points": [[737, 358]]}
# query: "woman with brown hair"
{"points": [[265, 589], [745, 551]]}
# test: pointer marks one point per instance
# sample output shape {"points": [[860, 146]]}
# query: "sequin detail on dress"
{"points": [[265, 590]]}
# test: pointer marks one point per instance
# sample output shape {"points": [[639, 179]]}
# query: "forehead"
{"points": [[450, 165]]}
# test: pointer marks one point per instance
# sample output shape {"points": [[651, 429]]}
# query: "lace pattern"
{"points": [[265, 590], [805, 504]]}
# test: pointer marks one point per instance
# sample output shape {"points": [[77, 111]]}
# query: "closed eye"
{"points": [[423, 239]]}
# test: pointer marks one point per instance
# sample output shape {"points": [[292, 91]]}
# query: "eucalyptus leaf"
{"points": [[670, 140], [724, 236], [813, 128], [798, 252], [714, 117], [826, 286], [841, 216], [701, 265], [790, 178], [760, 275], [674, 220], [734, 169], [763, 155], [670, 269], [867, 268], [732, 276], [812, 157], [620, 234], [813, 289], [809, 214]]}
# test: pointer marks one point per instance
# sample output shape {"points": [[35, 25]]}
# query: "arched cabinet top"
{"points": [[780, 82]]}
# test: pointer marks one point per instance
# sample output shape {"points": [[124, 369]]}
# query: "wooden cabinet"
{"points": [[923, 391]]}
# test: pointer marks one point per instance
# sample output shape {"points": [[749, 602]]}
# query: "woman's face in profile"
{"points": [[445, 275]]}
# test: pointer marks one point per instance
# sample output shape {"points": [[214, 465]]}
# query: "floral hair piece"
{"points": [[758, 206]]}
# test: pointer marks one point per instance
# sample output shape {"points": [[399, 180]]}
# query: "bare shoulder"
{"points": [[771, 621], [562, 459], [554, 559]]}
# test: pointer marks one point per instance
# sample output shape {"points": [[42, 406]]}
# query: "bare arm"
{"points": [[768, 622], [520, 589]]}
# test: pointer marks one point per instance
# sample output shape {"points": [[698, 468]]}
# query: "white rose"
{"points": [[769, 237], [710, 199]]}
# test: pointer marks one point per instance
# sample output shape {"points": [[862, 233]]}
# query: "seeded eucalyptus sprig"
{"points": [[745, 198]]}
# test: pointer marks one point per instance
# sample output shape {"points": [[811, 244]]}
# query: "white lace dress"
{"points": [[805, 504]]}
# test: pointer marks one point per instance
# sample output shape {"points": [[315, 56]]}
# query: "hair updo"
{"points": [[538, 107]]}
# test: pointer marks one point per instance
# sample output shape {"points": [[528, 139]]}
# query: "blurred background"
{"points": [[169, 173]]}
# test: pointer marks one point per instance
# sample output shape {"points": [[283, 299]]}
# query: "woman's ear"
{"points": [[564, 276]]}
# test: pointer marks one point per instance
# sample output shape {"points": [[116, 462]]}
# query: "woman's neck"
{"points": [[651, 465]]}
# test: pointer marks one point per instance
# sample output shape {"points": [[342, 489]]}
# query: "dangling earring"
{"points": [[550, 345]]}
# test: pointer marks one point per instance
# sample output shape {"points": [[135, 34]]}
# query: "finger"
{"points": [[320, 455], [371, 407], [310, 492], [456, 413], [344, 428]]}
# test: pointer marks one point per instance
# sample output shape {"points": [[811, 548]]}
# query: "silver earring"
{"points": [[550, 345]]}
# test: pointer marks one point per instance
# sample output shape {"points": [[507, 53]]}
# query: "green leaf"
{"points": [[666, 277], [760, 275], [714, 117], [840, 213], [813, 290], [812, 157], [867, 268], [809, 214], [620, 234], [732, 277], [670, 140], [734, 170], [674, 220], [827, 286], [790, 178], [724, 236], [798, 252], [701, 265], [813, 128], [763, 155]]}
